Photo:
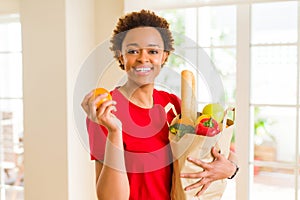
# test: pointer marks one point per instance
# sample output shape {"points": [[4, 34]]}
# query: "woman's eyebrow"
{"points": [[153, 45], [132, 44], [136, 45]]}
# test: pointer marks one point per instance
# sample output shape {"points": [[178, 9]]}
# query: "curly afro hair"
{"points": [[140, 19]]}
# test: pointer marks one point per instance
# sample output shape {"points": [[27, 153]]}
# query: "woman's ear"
{"points": [[120, 57], [165, 57], [121, 60]]}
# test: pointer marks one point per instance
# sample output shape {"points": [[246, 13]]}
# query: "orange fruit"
{"points": [[99, 91]]}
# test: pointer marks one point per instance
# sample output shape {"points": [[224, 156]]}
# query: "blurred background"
{"points": [[254, 46]]}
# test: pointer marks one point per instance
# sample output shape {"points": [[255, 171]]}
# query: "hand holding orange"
{"points": [[99, 91]]}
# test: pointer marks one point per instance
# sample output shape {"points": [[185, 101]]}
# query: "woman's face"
{"points": [[143, 54]]}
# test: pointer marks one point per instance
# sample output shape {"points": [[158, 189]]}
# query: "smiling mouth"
{"points": [[143, 69]]}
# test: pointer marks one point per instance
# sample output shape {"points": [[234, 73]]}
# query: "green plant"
{"points": [[261, 127]]}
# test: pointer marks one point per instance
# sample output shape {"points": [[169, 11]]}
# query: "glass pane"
{"points": [[274, 133], [205, 86], [274, 75], [274, 23], [14, 193], [170, 76], [11, 110], [11, 143], [224, 60], [204, 92], [274, 184], [182, 22], [11, 75], [10, 37], [217, 26]]}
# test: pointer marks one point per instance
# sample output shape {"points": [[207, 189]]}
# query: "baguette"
{"points": [[188, 101]]}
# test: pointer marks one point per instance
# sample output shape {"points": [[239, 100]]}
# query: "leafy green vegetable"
{"points": [[181, 129]]}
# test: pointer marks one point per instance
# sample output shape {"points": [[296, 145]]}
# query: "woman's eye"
{"points": [[133, 51], [153, 51]]}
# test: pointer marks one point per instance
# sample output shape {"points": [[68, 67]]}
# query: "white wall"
{"points": [[57, 37], [9, 6], [80, 40], [107, 14], [45, 99]]}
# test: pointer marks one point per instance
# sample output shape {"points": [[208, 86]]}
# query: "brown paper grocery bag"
{"points": [[197, 146]]}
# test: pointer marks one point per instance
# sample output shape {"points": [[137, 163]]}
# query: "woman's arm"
{"points": [[220, 168], [111, 177]]}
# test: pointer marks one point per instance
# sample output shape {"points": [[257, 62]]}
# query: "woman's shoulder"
{"points": [[116, 94], [165, 96]]}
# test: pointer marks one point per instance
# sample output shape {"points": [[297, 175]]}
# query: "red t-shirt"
{"points": [[147, 154]]}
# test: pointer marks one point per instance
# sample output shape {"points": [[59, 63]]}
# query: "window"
{"points": [[217, 43], [269, 59], [274, 99], [11, 109]]}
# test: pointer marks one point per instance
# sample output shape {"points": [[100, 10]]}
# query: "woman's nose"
{"points": [[143, 56]]}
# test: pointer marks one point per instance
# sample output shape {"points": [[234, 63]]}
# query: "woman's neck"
{"points": [[141, 96]]}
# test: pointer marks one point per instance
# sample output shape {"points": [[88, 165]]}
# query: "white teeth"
{"points": [[143, 69]]}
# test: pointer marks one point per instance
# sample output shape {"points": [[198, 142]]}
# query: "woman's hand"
{"points": [[219, 168], [103, 114]]}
